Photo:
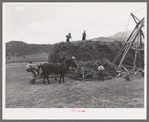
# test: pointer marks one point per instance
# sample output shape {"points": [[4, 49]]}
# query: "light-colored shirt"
{"points": [[28, 66], [101, 67], [68, 36]]}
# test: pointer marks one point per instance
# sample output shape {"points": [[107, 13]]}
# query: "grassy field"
{"points": [[32, 57], [71, 94]]}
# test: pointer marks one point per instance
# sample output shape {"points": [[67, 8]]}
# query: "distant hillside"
{"points": [[121, 35], [19, 48], [105, 39]]}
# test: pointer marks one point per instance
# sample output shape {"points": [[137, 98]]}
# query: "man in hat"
{"points": [[84, 36], [73, 57], [100, 72], [30, 68], [68, 37]]}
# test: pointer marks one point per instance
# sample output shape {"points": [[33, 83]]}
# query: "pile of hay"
{"points": [[86, 52], [91, 71]]}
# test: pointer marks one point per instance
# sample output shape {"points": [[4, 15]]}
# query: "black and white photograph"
{"points": [[74, 60]]}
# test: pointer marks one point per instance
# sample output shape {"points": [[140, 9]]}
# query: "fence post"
{"points": [[82, 68]]}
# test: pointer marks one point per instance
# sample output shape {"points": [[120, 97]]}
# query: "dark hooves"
{"points": [[32, 81]]}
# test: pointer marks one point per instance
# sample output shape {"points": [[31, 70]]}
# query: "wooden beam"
{"points": [[82, 68], [140, 40], [125, 75], [128, 66], [134, 17], [130, 44], [125, 68], [96, 64], [123, 47], [137, 49], [136, 52]]}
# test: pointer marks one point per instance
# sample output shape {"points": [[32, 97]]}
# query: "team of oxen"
{"points": [[61, 68]]}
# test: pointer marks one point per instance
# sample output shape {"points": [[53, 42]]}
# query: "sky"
{"points": [[49, 23]]}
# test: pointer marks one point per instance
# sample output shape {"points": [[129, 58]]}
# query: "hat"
{"points": [[73, 57], [30, 61]]}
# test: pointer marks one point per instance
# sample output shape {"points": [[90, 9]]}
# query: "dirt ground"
{"points": [[71, 94]]}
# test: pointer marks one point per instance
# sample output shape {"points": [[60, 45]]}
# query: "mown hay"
{"points": [[86, 52], [91, 71]]}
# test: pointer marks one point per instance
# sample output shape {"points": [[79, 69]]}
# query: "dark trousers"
{"points": [[34, 70], [67, 40], [83, 38], [101, 77]]}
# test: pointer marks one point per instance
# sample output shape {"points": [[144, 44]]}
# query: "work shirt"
{"points": [[84, 34], [68, 36], [28, 66], [101, 67]]}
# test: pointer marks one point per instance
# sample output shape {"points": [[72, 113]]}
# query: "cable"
{"points": [[126, 27], [138, 10]]}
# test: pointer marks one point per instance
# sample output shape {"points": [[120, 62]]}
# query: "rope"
{"points": [[126, 27], [121, 50], [136, 53], [138, 10]]}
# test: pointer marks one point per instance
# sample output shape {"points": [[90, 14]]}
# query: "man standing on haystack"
{"points": [[100, 72], [84, 36], [68, 37]]}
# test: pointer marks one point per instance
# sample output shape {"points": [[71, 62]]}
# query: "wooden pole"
{"points": [[134, 17], [130, 44], [124, 55], [125, 68], [128, 66], [119, 53], [136, 52], [123, 47], [82, 68], [141, 48], [96, 64], [121, 50]]}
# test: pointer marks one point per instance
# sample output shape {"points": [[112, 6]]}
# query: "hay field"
{"points": [[71, 94]]}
